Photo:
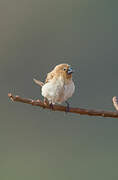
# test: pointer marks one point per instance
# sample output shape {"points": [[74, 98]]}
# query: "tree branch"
{"points": [[80, 111]]}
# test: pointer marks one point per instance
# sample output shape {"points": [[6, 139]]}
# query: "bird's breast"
{"points": [[69, 90], [53, 90], [56, 91]]}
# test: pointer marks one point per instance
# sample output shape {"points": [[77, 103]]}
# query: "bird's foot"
{"points": [[46, 101], [38, 100], [67, 107], [51, 106]]}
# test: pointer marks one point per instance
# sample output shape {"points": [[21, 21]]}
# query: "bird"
{"points": [[58, 86]]}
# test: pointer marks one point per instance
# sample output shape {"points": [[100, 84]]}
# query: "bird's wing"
{"points": [[49, 77], [38, 82]]}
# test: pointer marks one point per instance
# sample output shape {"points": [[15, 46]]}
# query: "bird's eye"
{"points": [[64, 69]]}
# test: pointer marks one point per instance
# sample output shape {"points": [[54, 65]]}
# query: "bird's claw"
{"points": [[51, 106], [67, 107]]}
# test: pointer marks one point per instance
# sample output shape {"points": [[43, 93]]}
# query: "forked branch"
{"points": [[80, 111]]}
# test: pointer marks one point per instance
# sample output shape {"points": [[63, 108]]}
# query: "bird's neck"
{"points": [[63, 80]]}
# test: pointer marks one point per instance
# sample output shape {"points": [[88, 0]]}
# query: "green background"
{"points": [[36, 35]]}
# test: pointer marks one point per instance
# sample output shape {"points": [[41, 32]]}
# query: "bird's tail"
{"points": [[38, 82]]}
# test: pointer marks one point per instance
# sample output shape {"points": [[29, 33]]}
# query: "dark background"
{"points": [[36, 35]]}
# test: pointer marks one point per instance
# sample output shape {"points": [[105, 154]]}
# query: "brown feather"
{"points": [[49, 76]]}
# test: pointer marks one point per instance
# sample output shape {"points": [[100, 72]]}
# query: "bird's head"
{"points": [[64, 70]]}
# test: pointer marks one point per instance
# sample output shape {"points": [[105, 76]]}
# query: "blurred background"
{"points": [[34, 37]]}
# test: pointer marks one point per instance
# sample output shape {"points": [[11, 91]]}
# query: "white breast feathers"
{"points": [[56, 91]]}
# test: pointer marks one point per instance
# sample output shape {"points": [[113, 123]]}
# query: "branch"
{"points": [[80, 111]]}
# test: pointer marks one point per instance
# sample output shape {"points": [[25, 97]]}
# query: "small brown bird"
{"points": [[58, 86]]}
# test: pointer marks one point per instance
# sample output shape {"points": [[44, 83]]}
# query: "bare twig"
{"points": [[80, 111], [115, 102]]}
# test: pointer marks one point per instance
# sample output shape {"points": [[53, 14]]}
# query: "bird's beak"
{"points": [[70, 70]]}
